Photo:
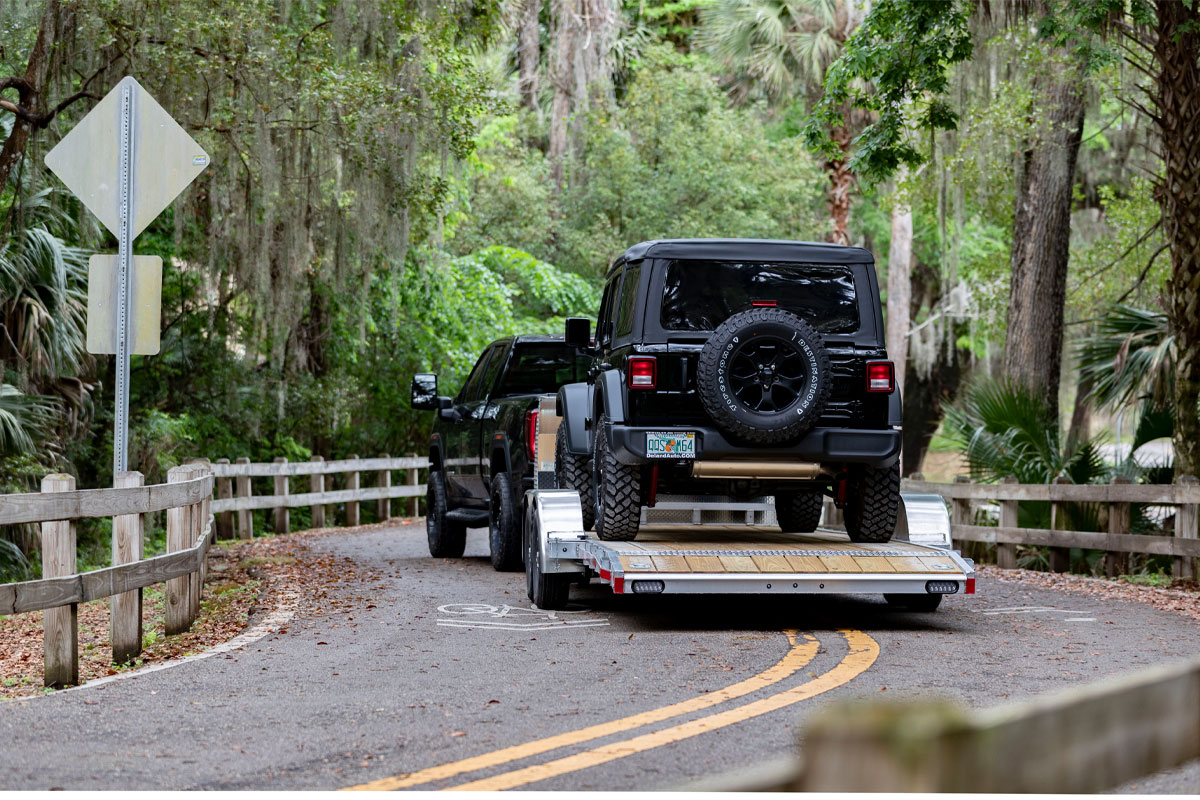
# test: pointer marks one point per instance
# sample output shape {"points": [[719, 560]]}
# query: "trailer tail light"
{"points": [[941, 587], [648, 587], [531, 435], [643, 372], [881, 376]]}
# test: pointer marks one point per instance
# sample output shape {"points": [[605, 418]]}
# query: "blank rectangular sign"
{"points": [[145, 305]]}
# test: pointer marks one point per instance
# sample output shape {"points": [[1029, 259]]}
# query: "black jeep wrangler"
{"points": [[741, 368]]}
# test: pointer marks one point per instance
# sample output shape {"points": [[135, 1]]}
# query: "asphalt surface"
{"points": [[440, 661]]}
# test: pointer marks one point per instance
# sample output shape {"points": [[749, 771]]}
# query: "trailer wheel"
{"points": [[915, 602], [574, 472], [873, 504], [504, 529], [798, 512], [618, 492], [548, 592], [447, 538]]}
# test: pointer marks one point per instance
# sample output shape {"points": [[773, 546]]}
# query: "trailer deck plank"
{"points": [[805, 563], [772, 563], [840, 564], [704, 563], [671, 563], [875, 563], [738, 563]]}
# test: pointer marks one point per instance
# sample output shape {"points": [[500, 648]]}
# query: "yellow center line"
{"points": [[797, 657], [863, 652]]}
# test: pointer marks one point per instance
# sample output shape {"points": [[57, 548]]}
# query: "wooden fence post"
{"points": [[178, 602], [1006, 553], [60, 626], [245, 517], [1187, 515], [281, 523], [960, 514], [352, 505], [316, 483], [1116, 564], [1060, 557], [125, 615], [383, 506], [414, 479], [200, 512], [225, 492]]}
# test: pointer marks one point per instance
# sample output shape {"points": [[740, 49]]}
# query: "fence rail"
{"points": [[1182, 544]]}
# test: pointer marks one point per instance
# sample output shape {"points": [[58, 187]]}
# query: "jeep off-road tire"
{"points": [[574, 472], [873, 503], [618, 491], [504, 527], [447, 538], [799, 512], [740, 387]]}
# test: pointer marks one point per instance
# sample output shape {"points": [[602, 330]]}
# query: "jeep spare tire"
{"points": [[764, 376]]}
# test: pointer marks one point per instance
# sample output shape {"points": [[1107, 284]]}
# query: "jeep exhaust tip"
{"points": [[755, 470]]}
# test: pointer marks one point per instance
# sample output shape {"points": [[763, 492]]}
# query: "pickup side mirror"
{"points": [[424, 392], [578, 332]]}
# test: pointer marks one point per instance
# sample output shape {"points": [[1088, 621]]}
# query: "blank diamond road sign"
{"points": [[165, 159]]}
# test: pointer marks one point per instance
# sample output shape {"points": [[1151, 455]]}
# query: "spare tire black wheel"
{"points": [[764, 376]]}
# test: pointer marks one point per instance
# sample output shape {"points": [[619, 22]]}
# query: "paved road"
{"points": [[440, 672]]}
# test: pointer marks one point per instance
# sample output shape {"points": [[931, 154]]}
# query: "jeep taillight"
{"points": [[881, 376], [643, 372], [531, 435]]}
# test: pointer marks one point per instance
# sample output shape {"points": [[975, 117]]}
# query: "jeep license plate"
{"points": [[670, 444]]}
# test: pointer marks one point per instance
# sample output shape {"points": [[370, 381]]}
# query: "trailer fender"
{"points": [[554, 512], [923, 519], [573, 403]]}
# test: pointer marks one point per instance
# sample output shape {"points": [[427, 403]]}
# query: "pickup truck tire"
{"points": [[798, 512], [915, 602], [574, 472], [618, 491], [764, 376], [548, 592], [447, 538], [873, 503], [504, 527]]}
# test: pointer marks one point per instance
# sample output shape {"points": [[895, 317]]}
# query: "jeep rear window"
{"points": [[700, 295], [541, 369]]}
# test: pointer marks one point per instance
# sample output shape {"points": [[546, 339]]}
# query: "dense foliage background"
{"points": [[395, 183]]}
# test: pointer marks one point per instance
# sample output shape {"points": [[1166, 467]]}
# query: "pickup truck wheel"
{"points": [[504, 528], [618, 491], [447, 538], [764, 376], [873, 504], [798, 512], [574, 472], [549, 592], [915, 602]]}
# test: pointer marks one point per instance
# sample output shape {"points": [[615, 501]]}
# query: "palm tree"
{"points": [[1130, 356], [780, 49]]}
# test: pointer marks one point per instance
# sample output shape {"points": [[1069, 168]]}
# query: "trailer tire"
{"points": [[618, 492], [799, 512], [447, 538], [547, 592], [574, 472], [915, 602], [504, 526], [873, 504]]}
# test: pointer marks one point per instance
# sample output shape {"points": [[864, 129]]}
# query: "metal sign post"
{"points": [[126, 160]]}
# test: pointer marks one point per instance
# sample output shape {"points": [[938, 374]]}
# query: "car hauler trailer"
{"points": [[915, 569]]}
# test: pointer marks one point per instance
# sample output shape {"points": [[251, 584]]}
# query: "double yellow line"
{"points": [[862, 652]]}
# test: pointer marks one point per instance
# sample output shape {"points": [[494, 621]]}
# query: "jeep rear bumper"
{"points": [[878, 448]]}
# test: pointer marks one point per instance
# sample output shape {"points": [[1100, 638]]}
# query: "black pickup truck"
{"points": [[480, 456]]}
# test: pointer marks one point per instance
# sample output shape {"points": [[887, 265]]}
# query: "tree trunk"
{"points": [[837, 195], [31, 91], [1177, 97], [1041, 237], [529, 54], [565, 20], [899, 283]]}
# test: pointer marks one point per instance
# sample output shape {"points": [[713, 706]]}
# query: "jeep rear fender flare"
{"points": [[611, 384], [573, 403], [895, 409]]}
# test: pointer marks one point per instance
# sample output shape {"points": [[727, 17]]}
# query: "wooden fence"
{"points": [[1080, 740], [186, 497], [320, 496], [1117, 542]]}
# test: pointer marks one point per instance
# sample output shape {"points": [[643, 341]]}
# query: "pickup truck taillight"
{"points": [[881, 376], [531, 436], [643, 372]]}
